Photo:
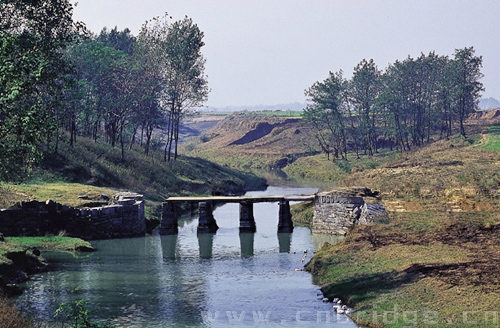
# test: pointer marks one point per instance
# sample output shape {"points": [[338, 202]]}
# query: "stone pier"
{"points": [[169, 225], [247, 221], [285, 223], [206, 223]]}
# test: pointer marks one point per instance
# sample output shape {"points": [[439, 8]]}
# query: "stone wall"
{"points": [[124, 218], [338, 210]]}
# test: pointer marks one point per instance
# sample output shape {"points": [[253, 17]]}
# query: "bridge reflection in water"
{"points": [[206, 244], [207, 225]]}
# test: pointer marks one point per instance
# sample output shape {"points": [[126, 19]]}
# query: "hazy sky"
{"points": [[269, 51]]}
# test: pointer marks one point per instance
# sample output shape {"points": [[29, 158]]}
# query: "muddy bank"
{"points": [[22, 265]]}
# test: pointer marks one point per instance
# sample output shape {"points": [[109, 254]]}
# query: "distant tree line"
{"points": [[406, 105], [56, 75]]}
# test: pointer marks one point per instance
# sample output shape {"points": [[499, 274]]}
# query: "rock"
{"points": [[84, 249]]}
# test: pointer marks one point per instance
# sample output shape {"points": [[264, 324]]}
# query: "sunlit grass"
{"points": [[492, 139], [61, 192], [49, 242]]}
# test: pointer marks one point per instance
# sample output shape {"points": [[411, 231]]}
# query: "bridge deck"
{"points": [[238, 199]]}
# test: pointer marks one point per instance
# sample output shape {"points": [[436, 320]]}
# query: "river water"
{"points": [[190, 280]]}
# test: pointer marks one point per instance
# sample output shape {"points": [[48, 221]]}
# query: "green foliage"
{"points": [[173, 52], [344, 166], [32, 77], [411, 102], [76, 315]]}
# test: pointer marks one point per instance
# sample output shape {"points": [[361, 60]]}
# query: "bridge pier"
{"points": [[247, 221], [168, 225], [285, 223], [206, 222]]}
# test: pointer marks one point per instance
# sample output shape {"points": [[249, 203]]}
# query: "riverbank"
{"points": [[21, 257], [442, 199], [436, 263]]}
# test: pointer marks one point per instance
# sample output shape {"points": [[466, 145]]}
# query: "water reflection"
{"points": [[169, 246], [320, 239], [246, 243], [285, 241], [206, 244]]}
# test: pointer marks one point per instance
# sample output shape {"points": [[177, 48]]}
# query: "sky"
{"points": [[267, 52]]}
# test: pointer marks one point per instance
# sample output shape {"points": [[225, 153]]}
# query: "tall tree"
{"points": [[326, 114], [175, 51], [32, 34], [363, 90], [467, 73], [186, 84]]}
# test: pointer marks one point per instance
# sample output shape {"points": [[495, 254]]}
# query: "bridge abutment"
{"points": [[206, 222], [247, 221], [285, 223]]}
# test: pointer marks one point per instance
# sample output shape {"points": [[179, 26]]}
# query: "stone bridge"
{"points": [[334, 211], [207, 223]]}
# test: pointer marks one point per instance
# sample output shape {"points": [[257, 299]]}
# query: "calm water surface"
{"points": [[211, 280]]}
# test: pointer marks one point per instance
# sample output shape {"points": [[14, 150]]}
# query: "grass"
{"points": [[287, 141], [439, 248], [94, 168], [49, 242], [62, 192], [302, 213], [492, 139], [400, 269]]}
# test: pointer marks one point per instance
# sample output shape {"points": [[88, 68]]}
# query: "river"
{"points": [[190, 280]]}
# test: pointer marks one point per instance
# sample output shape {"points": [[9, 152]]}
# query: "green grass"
{"points": [[93, 168], [302, 213], [49, 243], [492, 139], [20, 244], [281, 113]]}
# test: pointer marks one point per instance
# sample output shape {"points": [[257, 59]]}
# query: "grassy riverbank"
{"points": [[436, 263], [91, 169]]}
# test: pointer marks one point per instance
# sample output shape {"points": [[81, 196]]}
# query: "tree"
{"points": [[186, 84], [32, 35], [363, 90], [325, 113], [467, 73], [175, 51]]}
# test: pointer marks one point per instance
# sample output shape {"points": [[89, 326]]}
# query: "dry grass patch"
{"points": [[10, 317]]}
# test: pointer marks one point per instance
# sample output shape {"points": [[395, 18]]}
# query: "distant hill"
{"points": [[296, 106], [489, 103]]}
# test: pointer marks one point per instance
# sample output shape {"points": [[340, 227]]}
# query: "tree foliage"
{"points": [[33, 35], [174, 56], [55, 75], [404, 106]]}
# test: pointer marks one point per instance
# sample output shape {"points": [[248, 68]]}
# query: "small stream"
{"points": [[190, 280]]}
